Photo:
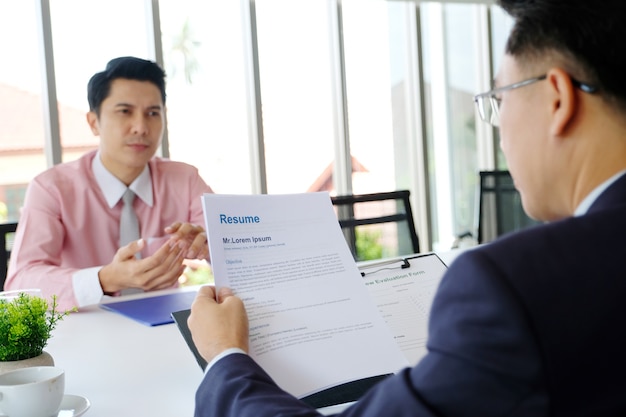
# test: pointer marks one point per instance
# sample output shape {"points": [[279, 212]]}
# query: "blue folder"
{"points": [[153, 311]]}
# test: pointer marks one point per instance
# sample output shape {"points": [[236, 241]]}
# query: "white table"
{"points": [[129, 369], [123, 367]]}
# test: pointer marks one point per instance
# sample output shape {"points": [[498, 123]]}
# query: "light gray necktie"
{"points": [[129, 225], [129, 228]]}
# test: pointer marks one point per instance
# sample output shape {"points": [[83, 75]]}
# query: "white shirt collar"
{"points": [[113, 189], [593, 196]]}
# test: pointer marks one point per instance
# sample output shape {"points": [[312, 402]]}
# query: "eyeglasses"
{"points": [[488, 103]]}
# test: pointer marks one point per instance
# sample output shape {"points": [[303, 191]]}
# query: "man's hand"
{"points": [[194, 236], [158, 271], [217, 326]]}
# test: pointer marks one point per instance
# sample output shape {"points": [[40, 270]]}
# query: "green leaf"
{"points": [[26, 324]]}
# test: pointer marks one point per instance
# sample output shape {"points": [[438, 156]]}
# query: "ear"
{"points": [[92, 120], [564, 101]]}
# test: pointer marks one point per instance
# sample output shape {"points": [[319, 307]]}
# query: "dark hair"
{"points": [[589, 35], [127, 67]]}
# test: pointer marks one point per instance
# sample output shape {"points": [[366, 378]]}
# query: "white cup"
{"points": [[32, 392]]}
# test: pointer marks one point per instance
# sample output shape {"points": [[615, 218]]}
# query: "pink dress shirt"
{"points": [[67, 231]]}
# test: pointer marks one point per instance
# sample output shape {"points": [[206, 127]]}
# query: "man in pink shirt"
{"points": [[68, 239]]}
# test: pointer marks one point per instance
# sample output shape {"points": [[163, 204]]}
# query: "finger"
{"points": [[204, 254], [172, 227], [198, 247], [189, 231], [183, 230], [175, 258], [224, 292], [167, 270], [205, 296], [175, 271], [168, 280], [206, 291], [174, 239], [162, 268], [129, 251], [161, 256]]}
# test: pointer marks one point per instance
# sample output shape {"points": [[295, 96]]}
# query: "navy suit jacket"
{"points": [[533, 324]]}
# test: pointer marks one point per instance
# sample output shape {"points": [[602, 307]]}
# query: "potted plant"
{"points": [[26, 324]]}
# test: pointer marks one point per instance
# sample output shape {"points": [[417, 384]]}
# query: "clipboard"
{"points": [[396, 263], [180, 318], [403, 290], [153, 311]]}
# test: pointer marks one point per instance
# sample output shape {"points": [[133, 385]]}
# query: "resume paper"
{"points": [[313, 324]]}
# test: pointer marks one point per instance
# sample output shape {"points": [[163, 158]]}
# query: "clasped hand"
{"points": [[161, 269], [218, 322]]}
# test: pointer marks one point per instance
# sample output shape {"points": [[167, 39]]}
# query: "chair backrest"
{"points": [[500, 206], [377, 225], [6, 242]]}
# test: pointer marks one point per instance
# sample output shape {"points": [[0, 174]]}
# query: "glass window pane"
{"points": [[500, 28], [450, 59], [207, 113], [463, 65], [369, 84], [501, 24], [21, 129], [375, 38], [82, 46], [405, 129], [294, 54]]}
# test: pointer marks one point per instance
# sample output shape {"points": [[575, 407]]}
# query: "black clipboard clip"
{"points": [[387, 265]]}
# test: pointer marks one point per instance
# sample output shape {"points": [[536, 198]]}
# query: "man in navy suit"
{"points": [[530, 324]]}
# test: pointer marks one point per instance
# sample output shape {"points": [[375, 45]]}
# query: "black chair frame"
{"points": [[345, 204], [5, 252], [505, 206]]}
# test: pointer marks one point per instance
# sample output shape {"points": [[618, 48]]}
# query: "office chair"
{"points": [[500, 206], [377, 225], [5, 249]]}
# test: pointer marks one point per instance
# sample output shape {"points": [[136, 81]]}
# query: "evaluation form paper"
{"points": [[404, 290], [313, 324]]}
